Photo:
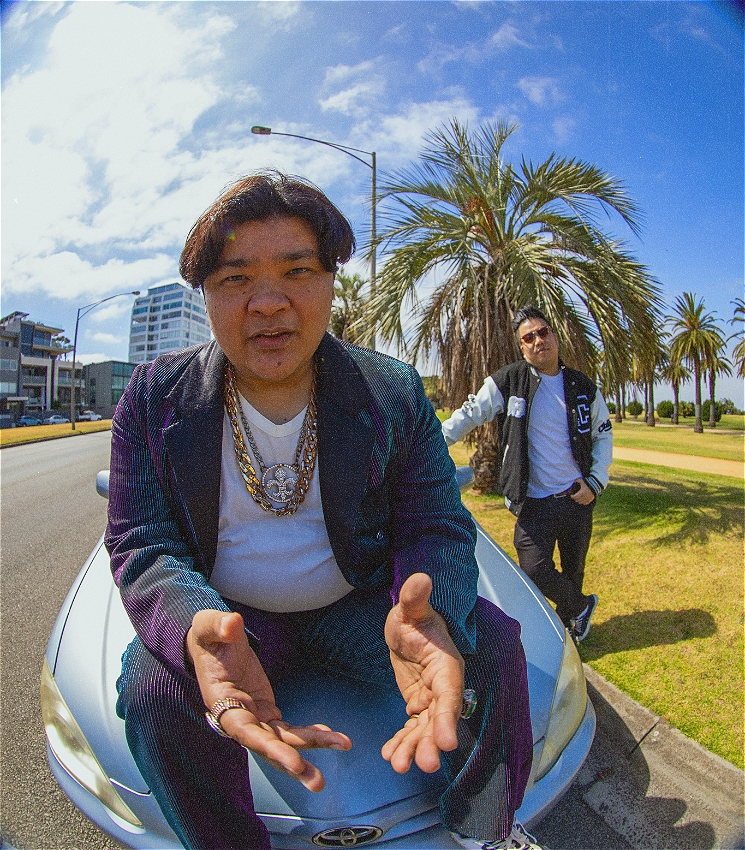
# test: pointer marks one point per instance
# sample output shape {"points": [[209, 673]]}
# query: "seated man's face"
{"points": [[269, 302]]}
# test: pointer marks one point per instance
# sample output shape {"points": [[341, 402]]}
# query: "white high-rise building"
{"points": [[169, 317]]}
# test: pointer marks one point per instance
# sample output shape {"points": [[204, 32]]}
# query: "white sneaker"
{"points": [[518, 839]]}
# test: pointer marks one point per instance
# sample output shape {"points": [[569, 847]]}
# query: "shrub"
{"points": [[728, 406], [665, 410], [706, 410], [687, 408], [634, 408], [611, 406]]}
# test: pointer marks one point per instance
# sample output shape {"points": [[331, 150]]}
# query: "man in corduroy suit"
{"points": [[278, 497]]}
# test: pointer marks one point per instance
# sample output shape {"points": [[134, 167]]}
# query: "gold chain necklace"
{"points": [[282, 483]]}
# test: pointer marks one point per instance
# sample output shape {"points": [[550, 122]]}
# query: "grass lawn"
{"points": [[681, 439], [11, 436], [666, 561]]}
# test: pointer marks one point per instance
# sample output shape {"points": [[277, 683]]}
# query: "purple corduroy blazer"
{"points": [[390, 500]]}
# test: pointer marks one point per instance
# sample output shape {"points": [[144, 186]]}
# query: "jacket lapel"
{"points": [[345, 442], [194, 446]]}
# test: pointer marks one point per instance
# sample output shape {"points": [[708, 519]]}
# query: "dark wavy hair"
{"points": [[263, 195]]}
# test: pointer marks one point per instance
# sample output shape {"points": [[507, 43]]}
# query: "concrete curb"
{"points": [[662, 790], [645, 786]]}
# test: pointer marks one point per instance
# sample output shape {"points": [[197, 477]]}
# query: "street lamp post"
{"points": [[82, 311], [267, 131]]}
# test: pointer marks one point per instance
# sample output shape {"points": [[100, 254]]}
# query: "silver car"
{"points": [[364, 801]]}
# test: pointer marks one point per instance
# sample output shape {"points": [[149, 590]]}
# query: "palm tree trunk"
{"points": [[712, 403], [623, 400], [485, 461], [619, 415], [698, 425], [676, 402], [650, 407]]}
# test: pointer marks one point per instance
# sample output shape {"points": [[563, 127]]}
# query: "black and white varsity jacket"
{"points": [[507, 396]]}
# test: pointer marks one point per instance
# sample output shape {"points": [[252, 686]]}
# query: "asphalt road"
{"points": [[50, 518]]}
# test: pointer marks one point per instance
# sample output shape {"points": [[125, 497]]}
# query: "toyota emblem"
{"points": [[347, 836]]}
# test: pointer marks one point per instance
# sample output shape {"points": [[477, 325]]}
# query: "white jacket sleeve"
{"points": [[475, 411], [602, 445]]}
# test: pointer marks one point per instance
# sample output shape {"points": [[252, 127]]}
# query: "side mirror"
{"points": [[463, 475], [102, 483]]}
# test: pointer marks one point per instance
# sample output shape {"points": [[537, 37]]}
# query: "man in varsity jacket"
{"points": [[556, 445]]}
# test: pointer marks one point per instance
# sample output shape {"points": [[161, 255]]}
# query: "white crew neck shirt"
{"points": [[552, 465], [274, 563]]}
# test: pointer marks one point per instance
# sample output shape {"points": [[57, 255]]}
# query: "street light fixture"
{"points": [[267, 131], [82, 312]]}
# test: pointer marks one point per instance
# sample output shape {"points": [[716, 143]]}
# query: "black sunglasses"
{"points": [[541, 333]]}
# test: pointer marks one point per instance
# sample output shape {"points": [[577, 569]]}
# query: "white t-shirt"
{"points": [[552, 464], [274, 563]]}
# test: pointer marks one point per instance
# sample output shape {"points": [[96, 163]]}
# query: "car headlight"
{"points": [[68, 744], [567, 709]]}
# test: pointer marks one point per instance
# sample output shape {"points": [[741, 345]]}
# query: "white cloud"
{"points": [[65, 275], [92, 144], [362, 87], [342, 73], [540, 90], [563, 128], [506, 37], [106, 339], [400, 134], [354, 99]]}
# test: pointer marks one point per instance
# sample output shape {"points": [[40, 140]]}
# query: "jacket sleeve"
{"points": [[602, 445], [151, 559], [431, 530], [476, 410]]}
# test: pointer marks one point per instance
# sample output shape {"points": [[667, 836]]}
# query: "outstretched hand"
{"points": [[429, 672], [227, 667]]}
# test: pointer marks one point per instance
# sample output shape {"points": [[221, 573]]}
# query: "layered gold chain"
{"points": [[305, 455]]}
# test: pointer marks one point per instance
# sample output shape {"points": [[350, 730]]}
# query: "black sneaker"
{"points": [[580, 626]]}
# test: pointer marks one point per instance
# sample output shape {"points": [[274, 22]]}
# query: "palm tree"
{"points": [[485, 237], [739, 352], [715, 365], [676, 374], [695, 335], [347, 312]]}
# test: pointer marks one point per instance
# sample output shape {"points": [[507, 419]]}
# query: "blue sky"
{"points": [[121, 122]]}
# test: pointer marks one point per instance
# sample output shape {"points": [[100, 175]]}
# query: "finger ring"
{"points": [[469, 703], [216, 712]]}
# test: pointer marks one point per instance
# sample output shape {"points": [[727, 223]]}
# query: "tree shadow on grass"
{"points": [[643, 629], [684, 509]]}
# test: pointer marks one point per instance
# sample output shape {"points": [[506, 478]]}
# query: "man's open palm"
{"points": [[227, 667], [429, 673]]}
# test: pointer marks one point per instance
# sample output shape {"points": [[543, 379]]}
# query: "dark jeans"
{"points": [[201, 780], [541, 525]]}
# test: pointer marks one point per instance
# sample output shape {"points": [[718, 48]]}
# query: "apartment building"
{"points": [[33, 375], [169, 317], [105, 383]]}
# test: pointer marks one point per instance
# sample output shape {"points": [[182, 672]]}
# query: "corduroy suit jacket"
{"points": [[390, 501]]}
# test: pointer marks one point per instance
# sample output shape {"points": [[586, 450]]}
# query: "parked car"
{"points": [[364, 802], [26, 420], [56, 419], [88, 416]]}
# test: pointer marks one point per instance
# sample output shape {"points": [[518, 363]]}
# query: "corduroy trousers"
{"points": [[201, 780]]}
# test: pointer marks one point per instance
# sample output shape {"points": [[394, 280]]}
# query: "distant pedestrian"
{"points": [[556, 445]]}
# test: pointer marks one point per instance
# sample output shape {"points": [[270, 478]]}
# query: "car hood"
{"points": [[93, 630]]}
